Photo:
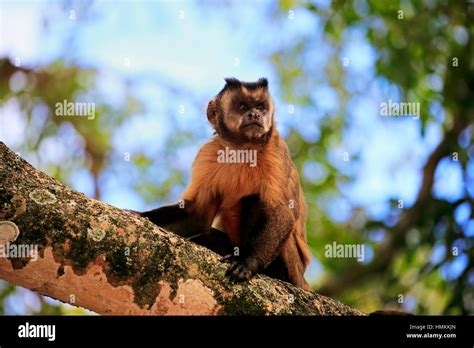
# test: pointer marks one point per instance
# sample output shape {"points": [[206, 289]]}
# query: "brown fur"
{"points": [[260, 208], [229, 182]]}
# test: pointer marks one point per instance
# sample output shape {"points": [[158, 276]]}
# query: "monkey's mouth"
{"points": [[252, 124]]}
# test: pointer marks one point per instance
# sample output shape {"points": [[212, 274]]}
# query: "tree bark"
{"points": [[110, 261]]}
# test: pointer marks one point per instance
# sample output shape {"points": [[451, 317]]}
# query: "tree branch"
{"points": [[105, 259]]}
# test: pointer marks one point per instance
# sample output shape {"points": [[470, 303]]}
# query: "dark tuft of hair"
{"points": [[262, 83], [233, 83]]}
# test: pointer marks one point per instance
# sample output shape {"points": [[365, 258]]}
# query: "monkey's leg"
{"points": [[264, 231], [185, 222], [182, 219], [215, 240]]}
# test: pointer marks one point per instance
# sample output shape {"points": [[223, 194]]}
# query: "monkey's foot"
{"points": [[239, 271]]}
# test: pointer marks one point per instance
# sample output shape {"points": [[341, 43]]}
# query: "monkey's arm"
{"points": [[265, 229]]}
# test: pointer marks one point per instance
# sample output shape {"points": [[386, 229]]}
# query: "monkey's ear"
{"points": [[212, 112]]}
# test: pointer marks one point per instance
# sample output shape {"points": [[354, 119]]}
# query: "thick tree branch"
{"points": [[105, 259]]}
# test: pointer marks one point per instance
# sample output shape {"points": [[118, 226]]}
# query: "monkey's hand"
{"points": [[239, 269]]}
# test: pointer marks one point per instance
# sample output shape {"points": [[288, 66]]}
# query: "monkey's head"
{"points": [[242, 112]]}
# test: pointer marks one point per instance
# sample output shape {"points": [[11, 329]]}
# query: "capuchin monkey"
{"points": [[244, 200]]}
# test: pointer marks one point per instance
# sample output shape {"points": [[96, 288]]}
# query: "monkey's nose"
{"points": [[254, 115]]}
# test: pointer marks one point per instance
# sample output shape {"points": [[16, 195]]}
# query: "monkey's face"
{"points": [[243, 112], [248, 114]]}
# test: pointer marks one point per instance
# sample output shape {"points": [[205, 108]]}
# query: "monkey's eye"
{"points": [[243, 107], [261, 107]]}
